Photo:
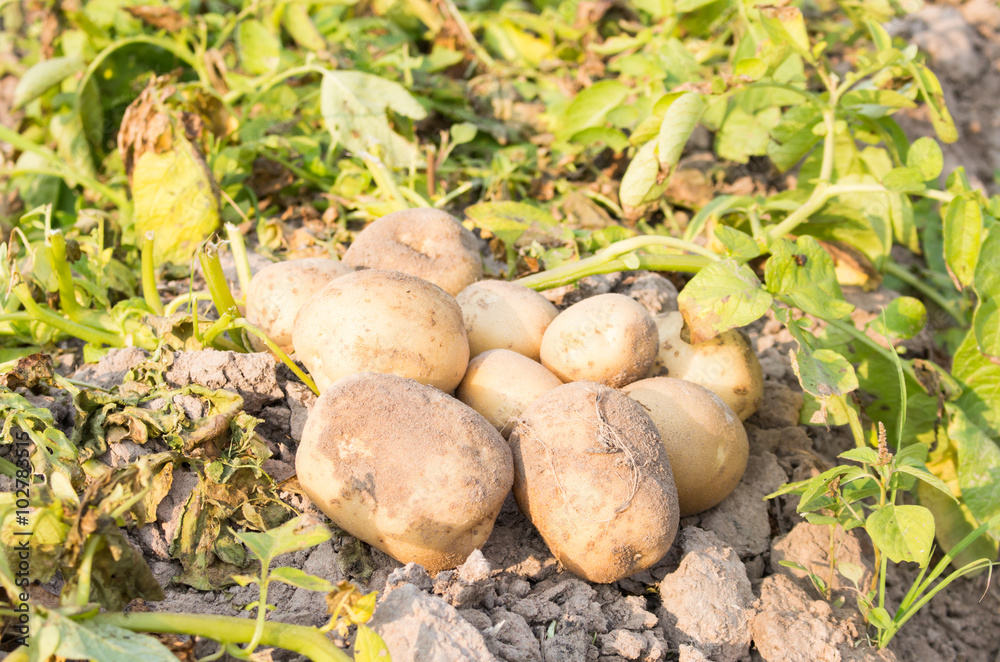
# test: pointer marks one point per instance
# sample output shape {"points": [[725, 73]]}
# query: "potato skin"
{"points": [[503, 315], [277, 291], [382, 321], [404, 467], [427, 243], [609, 338], [704, 438], [500, 383], [592, 476], [725, 364]]}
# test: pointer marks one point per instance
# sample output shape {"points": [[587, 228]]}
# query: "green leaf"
{"points": [[738, 244], [954, 522], [591, 106], [44, 75], [824, 372], [902, 533], [801, 273], [295, 534], [921, 473], [879, 617], [259, 48], [679, 121], [296, 20], [905, 317], [463, 132], [875, 103], [930, 89], [174, 197], [716, 208], [745, 134], [613, 138], [904, 180], [978, 467], [793, 137], [354, 106], [785, 25], [56, 635], [986, 319], [981, 379], [925, 157], [369, 646], [509, 220], [751, 67], [963, 229], [298, 578], [723, 295], [640, 176], [863, 455]]}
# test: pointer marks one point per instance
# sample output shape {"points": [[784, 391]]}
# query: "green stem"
{"points": [[384, 181], [20, 316], [570, 273], [149, 292], [83, 588], [861, 336], [239, 249], [300, 639], [820, 195], [215, 278], [829, 141], [8, 468], [56, 245], [261, 613], [219, 327], [277, 351], [901, 273], [454, 193], [55, 320], [269, 82], [182, 299]]}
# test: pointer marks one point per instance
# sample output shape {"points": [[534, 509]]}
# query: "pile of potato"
{"points": [[606, 423]]}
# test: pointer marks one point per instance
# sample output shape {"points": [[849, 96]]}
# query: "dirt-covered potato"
{"points": [[382, 321], [503, 315], [404, 467], [609, 339], [427, 243], [705, 440], [500, 383], [593, 477], [725, 365], [277, 291]]}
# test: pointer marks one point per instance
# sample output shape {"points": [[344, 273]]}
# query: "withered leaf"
{"points": [[160, 17]]}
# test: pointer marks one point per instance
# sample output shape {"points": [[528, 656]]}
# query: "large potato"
{"points": [[500, 383], [593, 477], [705, 440], [382, 321], [427, 243], [503, 315], [726, 365], [277, 291], [405, 468], [609, 339]]}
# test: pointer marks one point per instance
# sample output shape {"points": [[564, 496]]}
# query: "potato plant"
{"points": [[140, 134]]}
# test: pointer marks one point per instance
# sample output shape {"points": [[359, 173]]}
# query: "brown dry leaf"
{"points": [[851, 266], [145, 127], [161, 17]]}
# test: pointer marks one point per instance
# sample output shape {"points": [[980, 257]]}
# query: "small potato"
{"points": [[725, 365], [593, 477], [405, 468], [277, 291], [382, 321], [503, 315], [608, 338], [705, 440], [500, 383], [427, 243]]}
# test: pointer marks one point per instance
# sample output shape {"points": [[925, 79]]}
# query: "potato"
{"points": [[405, 468], [503, 315], [500, 383], [427, 243], [593, 477], [609, 339], [382, 321], [725, 365], [277, 291], [705, 440]]}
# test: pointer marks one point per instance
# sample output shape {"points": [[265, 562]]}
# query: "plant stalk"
{"points": [[306, 641], [56, 245], [570, 273], [239, 249], [149, 292]]}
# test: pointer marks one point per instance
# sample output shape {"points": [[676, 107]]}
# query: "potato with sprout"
{"points": [[725, 364]]}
